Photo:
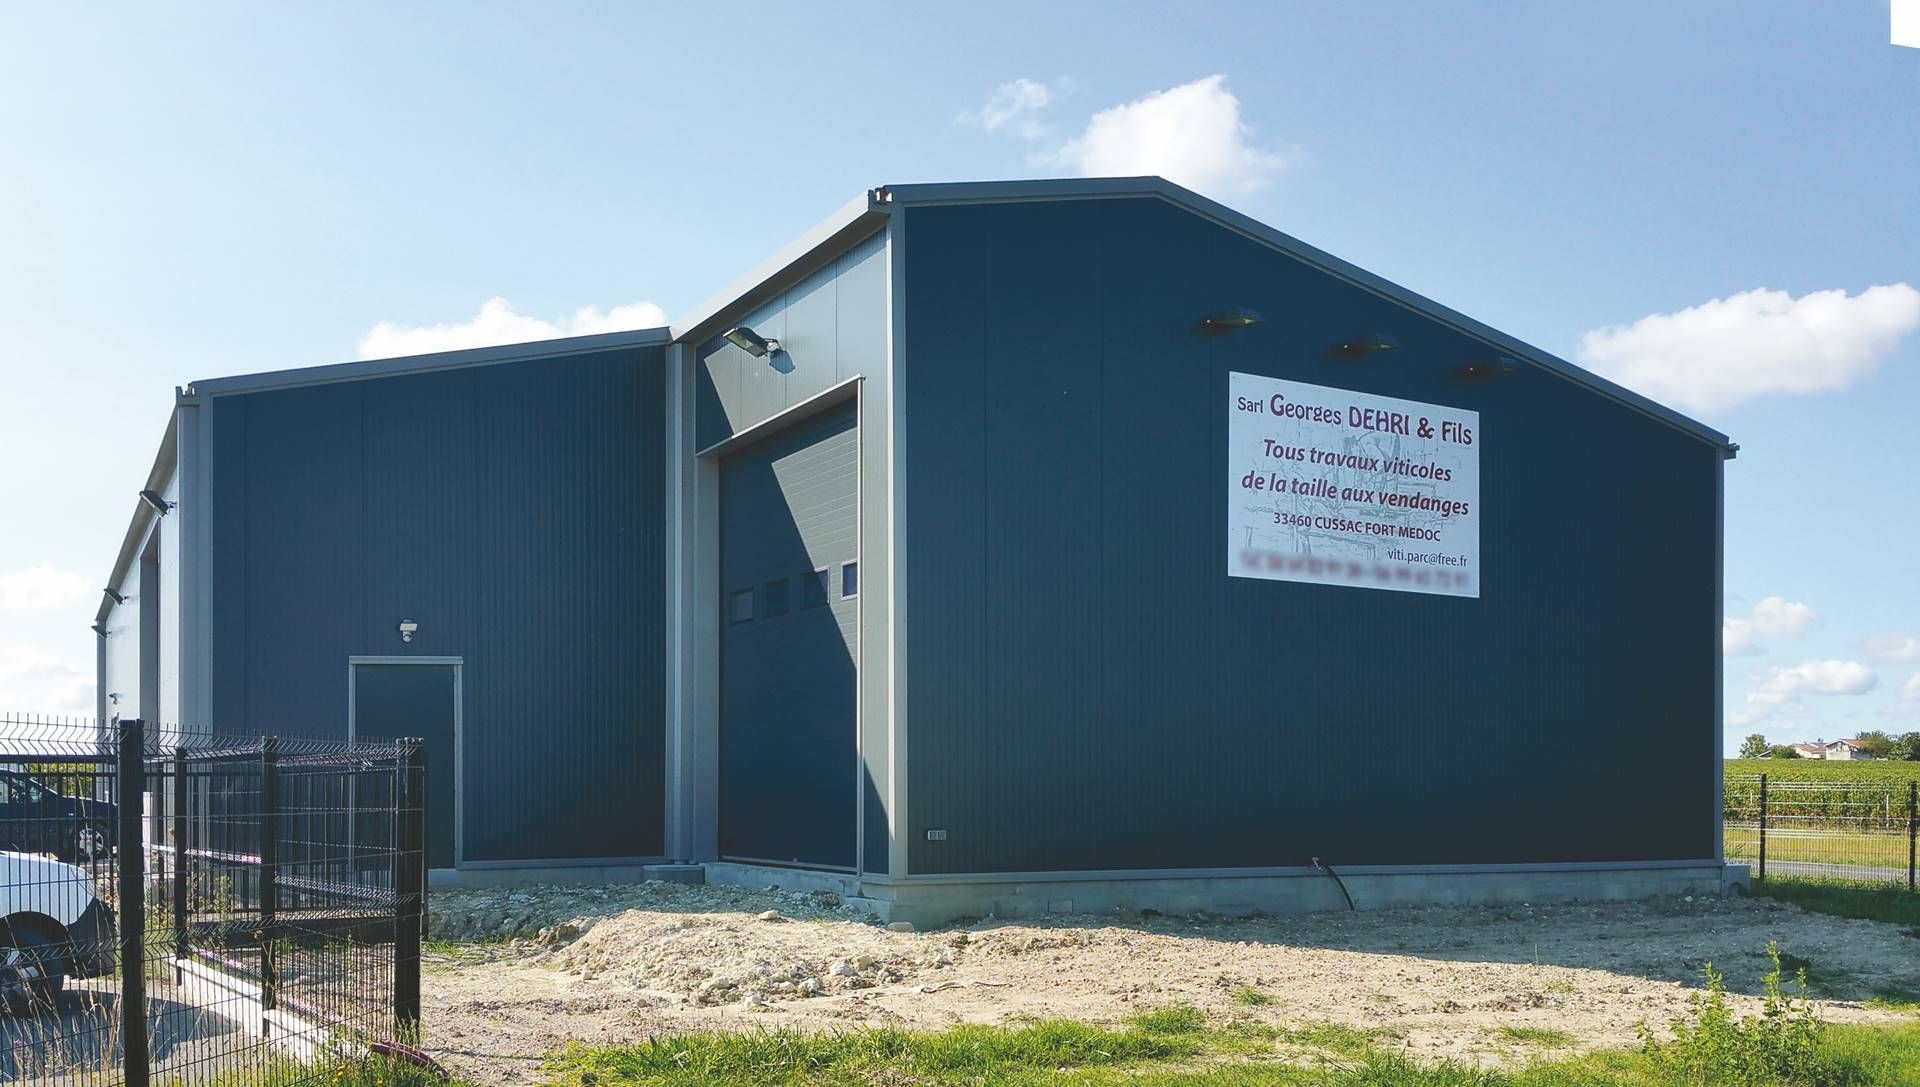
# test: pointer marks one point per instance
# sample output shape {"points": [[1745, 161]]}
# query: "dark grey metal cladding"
{"points": [[832, 326], [789, 524], [514, 511], [415, 701], [1089, 690]]}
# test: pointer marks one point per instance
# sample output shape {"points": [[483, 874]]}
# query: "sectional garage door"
{"points": [[789, 583]]}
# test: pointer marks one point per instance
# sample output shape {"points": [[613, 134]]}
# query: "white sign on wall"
{"points": [[1344, 488]]}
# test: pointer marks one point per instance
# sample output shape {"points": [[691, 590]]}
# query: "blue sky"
{"points": [[221, 189]]}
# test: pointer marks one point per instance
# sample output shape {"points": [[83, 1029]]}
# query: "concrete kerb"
{"points": [[928, 905], [931, 904]]}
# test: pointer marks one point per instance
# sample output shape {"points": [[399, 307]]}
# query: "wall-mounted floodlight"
{"points": [[1480, 369], [408, 628], [118, 598], [1360, 347], [1237, 317], [156, 503], [751, 342]]}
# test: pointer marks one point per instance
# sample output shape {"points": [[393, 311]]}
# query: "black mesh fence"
{"points": [[185, 908], [1862, 831]]}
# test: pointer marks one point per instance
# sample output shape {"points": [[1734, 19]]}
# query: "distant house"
{"points": [[1833, 751], [1846, 750]]}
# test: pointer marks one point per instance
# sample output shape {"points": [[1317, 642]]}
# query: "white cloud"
{"points": [[1016, 106], [35, 681], [1772, 617], [1722, 353], [1736, 636], [1890, 647], [497, 323], [1191, 134], [1781, 685], [42, 587], [1910, 690]]}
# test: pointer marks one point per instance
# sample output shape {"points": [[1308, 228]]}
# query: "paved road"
{"points": [[77, 1041]]}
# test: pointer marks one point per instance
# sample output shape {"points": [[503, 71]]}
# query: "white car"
{"points": [[52, 927]]}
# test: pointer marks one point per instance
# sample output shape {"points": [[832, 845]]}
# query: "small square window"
{"points": [[775, 599], [849, 579], [816, 589], [740, 606]]}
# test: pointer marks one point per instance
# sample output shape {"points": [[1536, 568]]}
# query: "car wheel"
{"points": [[90, 843], [32, 970]]}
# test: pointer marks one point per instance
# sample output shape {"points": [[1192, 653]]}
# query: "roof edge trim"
{"points": [[166, 461], [979, 192], [370, 369], [855, 220]]}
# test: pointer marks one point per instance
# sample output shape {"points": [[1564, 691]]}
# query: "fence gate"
{"points": [[183, 908]]}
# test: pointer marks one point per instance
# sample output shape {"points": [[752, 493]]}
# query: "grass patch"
{"points": [[1172, 1019], [365, 1072], [1891, 903], [1540, 1036], [1822, 845], [1904, 1001], [1057, 1054], [963, 1054], [1249, 997]]}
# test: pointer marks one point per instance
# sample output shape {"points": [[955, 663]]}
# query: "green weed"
{"points": [[1250, 997], [1780, 1047], [1541, 1036]]}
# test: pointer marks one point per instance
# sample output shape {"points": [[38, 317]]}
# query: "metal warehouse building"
{"points": [[994, 547]]}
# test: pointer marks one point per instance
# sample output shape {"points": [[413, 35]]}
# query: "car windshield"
{"points": [[15, 789]]}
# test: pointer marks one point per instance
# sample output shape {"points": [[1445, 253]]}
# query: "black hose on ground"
{"points": [[1342, 884]]}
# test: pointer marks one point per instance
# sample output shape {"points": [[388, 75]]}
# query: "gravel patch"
{"points": [[542, 966]]}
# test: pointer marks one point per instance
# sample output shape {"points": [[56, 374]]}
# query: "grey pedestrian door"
{"points": [[391, 701], [789, 583]]}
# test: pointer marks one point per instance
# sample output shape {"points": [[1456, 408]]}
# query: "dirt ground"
{"points": [[613, 964]]}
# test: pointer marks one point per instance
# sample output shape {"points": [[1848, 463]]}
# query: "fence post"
{"points": [[269, 877], [1913, 827], [131, 782], [179, 856], [1763, 828], [409, 886]]}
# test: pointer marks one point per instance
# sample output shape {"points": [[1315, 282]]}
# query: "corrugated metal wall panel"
{"points": [[516, 513], [1090, 690]]}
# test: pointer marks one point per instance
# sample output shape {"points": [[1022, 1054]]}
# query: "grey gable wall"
{"points": [[514, 511], [832, 327], [1089, 690]]}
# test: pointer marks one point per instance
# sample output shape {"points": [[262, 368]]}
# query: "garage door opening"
{"points": [[789, 588]]}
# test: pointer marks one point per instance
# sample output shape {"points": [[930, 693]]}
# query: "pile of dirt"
{"points": [[522, 912]]}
